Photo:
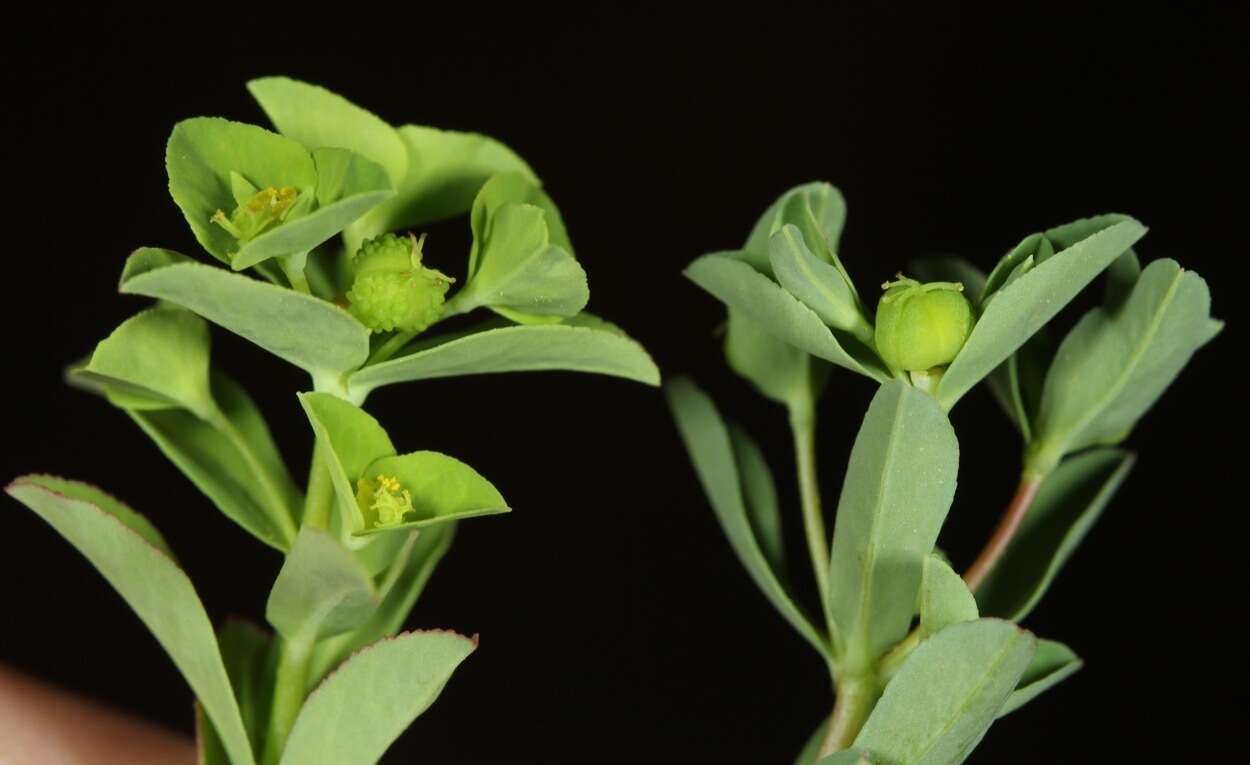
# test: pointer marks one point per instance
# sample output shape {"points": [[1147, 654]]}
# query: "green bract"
{"points": [[922, 658], [320, 212]]}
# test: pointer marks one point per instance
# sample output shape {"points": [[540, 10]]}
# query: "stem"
{"points": [[856, 698], [802, 424], [389, 348], [1005, 531], [290, 686]]}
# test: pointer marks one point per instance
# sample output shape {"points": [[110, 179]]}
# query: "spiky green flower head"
{"points": [[383, 501], [392, 290], [264, 210], [921, 326]]}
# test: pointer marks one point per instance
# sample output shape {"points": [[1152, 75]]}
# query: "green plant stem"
{"points": [[803, 426], [855, 700], [1006, 530], [290, 687]]}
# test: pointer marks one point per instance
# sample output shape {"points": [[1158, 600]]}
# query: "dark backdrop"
{"points": [[616, 624]]}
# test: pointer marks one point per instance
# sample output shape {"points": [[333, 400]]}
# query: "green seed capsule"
{"points": [[921, 326], [392, 290]]}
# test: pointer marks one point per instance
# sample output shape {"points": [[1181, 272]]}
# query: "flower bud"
{"points": [[383, 501], [392, 290], [921, 326]]}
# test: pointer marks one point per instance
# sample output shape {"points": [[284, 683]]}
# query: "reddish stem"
{"points": [[1004, 532]]}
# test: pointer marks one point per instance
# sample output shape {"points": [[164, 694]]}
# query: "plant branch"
{"points": [[855, 700], [803, 426], [289, 690], [1006, 530]]}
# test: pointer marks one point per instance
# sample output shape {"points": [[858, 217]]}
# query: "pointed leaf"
{"points": [[760, 497], [1115, 364], [310, 333], [898, 488], [355, 715], [316, 117], [321, 591], [151, 583], [777, 369], [776, 311], [816, 207], [944, 598], [442, 488], [947, 693], [1020, 309], [203, 154], [817, 283], [1067, 505], [1052, 664], [516, 349], [712, 452], [506, 188]]}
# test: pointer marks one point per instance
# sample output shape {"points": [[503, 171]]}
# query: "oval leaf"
{"points": [[442, 488], [819, 285], [712, 452], [321, 591], [355, 715], [308, 332], [151, 583], [778, 370], [898, 489], [944, 598], [1067, 505], [1051, 664], [947, 693]]}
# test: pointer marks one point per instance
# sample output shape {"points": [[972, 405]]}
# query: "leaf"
{"points": [[443, 489], [947, 693], [155, 360], [1066, 507], [516, 349], [816, 208], [208, 747], [321, 591], [1114, 365], [811, 750], [712, 452], [348, 186], [247, 652], [944, 598], [778, 370], [233, 460], [846, 757], [776, 311], [898, 488], [445, 171], [151, 583], [518, 268], [506, 188], [351, 439], [355, 715], [817, 283], [949, 268], [760, 497], [316, 117], [310, 333], [1021, 308], [406, 581], [202, 156], [1051, 664]]}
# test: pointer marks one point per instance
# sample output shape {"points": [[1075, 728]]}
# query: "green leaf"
{"points": [[898, 489], [506, 188], [355, 715], [310, 333], [351, 439], [1066, 507], [232, 459], [519, 268], [1051, 664], [947, 693], [846, 757], [1115, 364], [247, 652], [157, 359], [399, 591], [445, 171], [1021, 308], [316, 117], [760, 497], [817, 209], [151, 583], [776, 311], [348, 186], [202, 156], [949, 268], [443, 489], [208, 747], [711, 450], [944, 598], [571, 347], [321, 591], [778, 370], [818, 284]]}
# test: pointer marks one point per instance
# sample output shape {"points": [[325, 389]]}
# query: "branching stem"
{"points": [[1006, 530]]}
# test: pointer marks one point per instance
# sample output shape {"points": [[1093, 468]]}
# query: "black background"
{"points": [[615, 622]]}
